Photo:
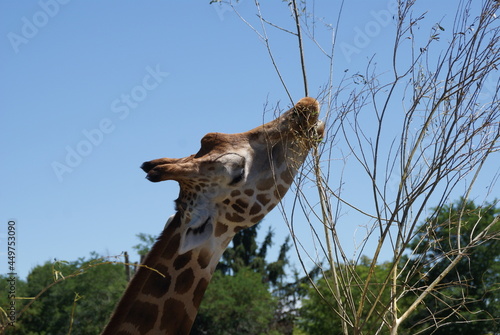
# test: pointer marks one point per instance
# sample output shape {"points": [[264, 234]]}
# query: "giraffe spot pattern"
{"points": [[238, 229], [143, 315], [271, 206], [156, 285], [175, 319], [199, 291], [241, 203], [256, 208], [204, 258], [287, 177], [172, 227], [238, 208], [184, 281], [265, 184], [257, 218], [249, 192], [172, 246], [263, 198], [234, 217], [182, 260], [280, 191], [220, 229]]}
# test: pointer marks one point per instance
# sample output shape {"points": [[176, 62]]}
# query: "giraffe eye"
{"points": [[237, 178]]}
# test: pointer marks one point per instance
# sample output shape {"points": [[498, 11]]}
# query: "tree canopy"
{"points": [[317, 317], [71, 297], [467, 301]]}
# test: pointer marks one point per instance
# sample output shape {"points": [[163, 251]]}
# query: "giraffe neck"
{"points": [[167, 303]]}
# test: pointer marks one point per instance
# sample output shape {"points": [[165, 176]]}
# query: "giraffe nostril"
{"points": [[147, 166]]}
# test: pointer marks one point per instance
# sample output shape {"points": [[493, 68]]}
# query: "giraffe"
{"points": [[231, 183]]}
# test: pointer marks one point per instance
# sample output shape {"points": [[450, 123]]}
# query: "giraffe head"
{"points": [[231, 183], [236, 179]]}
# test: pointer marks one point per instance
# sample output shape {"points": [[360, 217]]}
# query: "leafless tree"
{"points": [[416, 131]]}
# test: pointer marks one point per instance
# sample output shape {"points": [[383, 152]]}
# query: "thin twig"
{"points": [[301, 48]]}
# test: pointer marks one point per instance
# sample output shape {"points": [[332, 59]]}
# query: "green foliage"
{"points": [[318, 314], [147, 242], [246, 255], [239, 304], [17, 290], [468, 299], [82, 300]]}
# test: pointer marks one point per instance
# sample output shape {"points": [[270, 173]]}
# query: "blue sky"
{"points": [[90, 90]]}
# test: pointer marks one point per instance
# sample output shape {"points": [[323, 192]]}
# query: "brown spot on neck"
{"points": [[143, 315], [184, 281], [256, 208], [157, 285], [199, 291], [233, 217], [220, 229], [265, 184], [172, 246], [280, 191], [249, 192], [287, 177], [263, 198], [182, 260], [257, 218], [238, 208], [175, 319], [204, 258]]}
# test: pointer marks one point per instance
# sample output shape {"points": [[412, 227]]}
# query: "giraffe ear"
{"points": [[196, 234]]}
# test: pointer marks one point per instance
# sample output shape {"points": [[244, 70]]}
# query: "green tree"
{"points": [[318, 315], [145, 245], [245, 253], [82, 299], [239, 304], [8, 288], [467, 301]]}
